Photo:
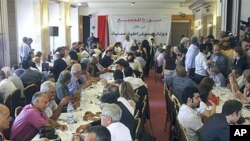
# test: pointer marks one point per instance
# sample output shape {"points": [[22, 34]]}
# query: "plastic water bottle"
{"points": [[70, 114]]}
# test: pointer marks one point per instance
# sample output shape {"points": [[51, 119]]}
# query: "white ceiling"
{"points": [[142, 4]]}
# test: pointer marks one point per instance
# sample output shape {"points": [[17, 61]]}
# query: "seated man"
{"points": [[136, 82], [4, 120], [94, 133], [76, 73], [217, 126], [106, 61], [188, 115], [31, 118], [179, 83], [29, 76], [6, 86], [53, 111], [110, 118]]}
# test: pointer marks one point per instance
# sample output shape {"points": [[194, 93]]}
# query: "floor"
{"points": [[157, 108]]}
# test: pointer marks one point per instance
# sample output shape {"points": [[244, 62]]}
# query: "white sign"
{"points": [[139, 27]]}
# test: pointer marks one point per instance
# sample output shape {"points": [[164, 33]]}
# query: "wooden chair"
{"points": [[29, 91], [144, 116], [169, 114], [138, 130], [13, 101], [180, 132]]}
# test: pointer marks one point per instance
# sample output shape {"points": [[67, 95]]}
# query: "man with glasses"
{"points": [[217, 126]]}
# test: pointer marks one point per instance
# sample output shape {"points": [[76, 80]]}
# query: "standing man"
{"points": [[217, 126], [25, 50], [190, 57], [188, 115], [127, 44], [90, 40]]}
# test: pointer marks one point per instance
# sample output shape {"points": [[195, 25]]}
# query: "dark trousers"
{"points": [[198, 78]]}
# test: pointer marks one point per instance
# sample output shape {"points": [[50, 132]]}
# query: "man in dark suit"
{"points": [[106, 61]]}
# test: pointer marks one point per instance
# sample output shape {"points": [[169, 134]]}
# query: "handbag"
{"points": [[47, 132]]}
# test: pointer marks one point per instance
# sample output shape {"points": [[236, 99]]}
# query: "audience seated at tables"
{"points": [[29, 76], [94, 133], [207, 107], [110, 118], [4, 121], [244, 97], [128, 96], [188, 115], [240, 60], [179, 83], [53, 111], [14, 79], [31, 118], [6, 86], [96, 69], [129, 77], [63, 91], [217, 126], [234, 86], [217, 76], [59, 64], [134, 64], [126, 118], [76, 73], [107, 60]]}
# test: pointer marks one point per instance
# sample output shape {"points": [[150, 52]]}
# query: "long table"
{"points": [[89, 102], [225, 94]]}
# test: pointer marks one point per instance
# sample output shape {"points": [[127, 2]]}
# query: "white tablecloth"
{"points": [[89, 102], [225, 94]]}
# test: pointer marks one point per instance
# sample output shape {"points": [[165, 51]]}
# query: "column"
{"points": [[44, 21], [65, 24]]}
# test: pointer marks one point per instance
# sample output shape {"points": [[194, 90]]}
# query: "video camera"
{"points": [[245, 24]]}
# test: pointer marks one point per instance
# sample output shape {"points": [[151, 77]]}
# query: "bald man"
{"points": [[4, 120]]}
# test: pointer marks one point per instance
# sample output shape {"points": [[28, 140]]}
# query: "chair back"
{"points": [[29, 91], [139, 129], [13, 101], [180, 132]]}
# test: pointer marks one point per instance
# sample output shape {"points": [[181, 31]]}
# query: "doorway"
{"points": [[179, 28]]}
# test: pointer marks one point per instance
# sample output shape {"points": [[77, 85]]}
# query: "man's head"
{"points": [[4, 117], [110, 113], [7, 71], [191, 97], [64, 77], [97, 133], [76, 70], [109, 53], [40, 100], [121, 64], [216, 49], [232, 110], [25, 39], [203, 48], [245, 45], [25, 65], [128, 72], [48, 88], [127, 37]]}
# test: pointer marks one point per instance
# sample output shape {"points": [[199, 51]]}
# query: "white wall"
{"points": [[26, 23], [54, 19], [245, 9], [84, 11], [75, 25]]}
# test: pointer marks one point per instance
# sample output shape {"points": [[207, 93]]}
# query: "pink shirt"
{"points": [[27, 123]]}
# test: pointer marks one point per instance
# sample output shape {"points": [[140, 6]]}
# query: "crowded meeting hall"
{"points": [[124, 70]]}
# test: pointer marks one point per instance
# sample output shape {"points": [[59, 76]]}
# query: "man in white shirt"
{"points": [[53, 111], [127, 44], [110, 118], [190, 57], [201, 64], [6, 86], [136, 82], [188, 116], [25, 49]]}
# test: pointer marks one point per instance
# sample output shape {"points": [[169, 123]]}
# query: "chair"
{"points": [[29, 91], [176, 103], [13, 101], [138, 130], [145, 112], [169, 113], [180, 132]]}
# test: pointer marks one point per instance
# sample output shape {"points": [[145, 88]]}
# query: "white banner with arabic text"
{"points": [[139, 27]]}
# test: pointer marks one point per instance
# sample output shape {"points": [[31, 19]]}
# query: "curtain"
{"points": [[102, 28]]}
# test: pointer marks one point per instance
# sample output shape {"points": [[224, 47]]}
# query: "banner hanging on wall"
{"points": [[139, 27]]}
